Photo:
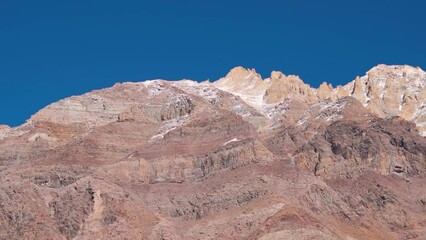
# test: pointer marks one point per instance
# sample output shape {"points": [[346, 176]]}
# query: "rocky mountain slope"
{"points": [[240, 158]]}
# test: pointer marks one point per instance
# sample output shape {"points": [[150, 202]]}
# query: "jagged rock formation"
{"points": [[384, 90], [239, 158]]}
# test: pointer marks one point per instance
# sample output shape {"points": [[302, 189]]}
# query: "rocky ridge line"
{"points": [[385, 90]]}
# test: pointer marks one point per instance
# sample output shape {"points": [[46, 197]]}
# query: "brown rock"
{"points": [[240, 158]]}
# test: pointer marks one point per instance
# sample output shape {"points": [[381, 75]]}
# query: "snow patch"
{"points": [[331, 111], [154, 87], [203, 90], [401, 102], [232, 140], [277, 109], [381, 85], [241, 111], [169, 126], [255, 101], [302, 120]]}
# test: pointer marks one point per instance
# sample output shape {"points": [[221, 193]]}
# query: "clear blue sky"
{"points": [[50, 50]]}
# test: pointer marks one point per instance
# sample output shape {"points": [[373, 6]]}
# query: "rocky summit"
{"points": [[239, 158]]}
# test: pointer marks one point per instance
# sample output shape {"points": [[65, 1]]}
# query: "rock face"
{"points": [[394, 91], [384, 90], [239, 158]]}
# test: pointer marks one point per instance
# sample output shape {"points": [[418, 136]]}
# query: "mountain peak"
{"points": [[242, 81], [277, 75], [393, 68], [241, 73], [393, 90]]}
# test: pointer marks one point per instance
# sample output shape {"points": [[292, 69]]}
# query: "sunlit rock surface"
{"points": [[239, 158]]}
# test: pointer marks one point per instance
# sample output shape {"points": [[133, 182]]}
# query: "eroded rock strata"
{"points": [[239, 158]]}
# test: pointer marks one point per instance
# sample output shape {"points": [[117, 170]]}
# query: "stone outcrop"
{"points": [[292, 87]]}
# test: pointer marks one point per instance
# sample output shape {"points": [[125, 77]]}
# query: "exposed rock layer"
{"points": [[240, 158]]}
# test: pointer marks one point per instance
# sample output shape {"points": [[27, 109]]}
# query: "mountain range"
{"points": [[239, 158]]}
